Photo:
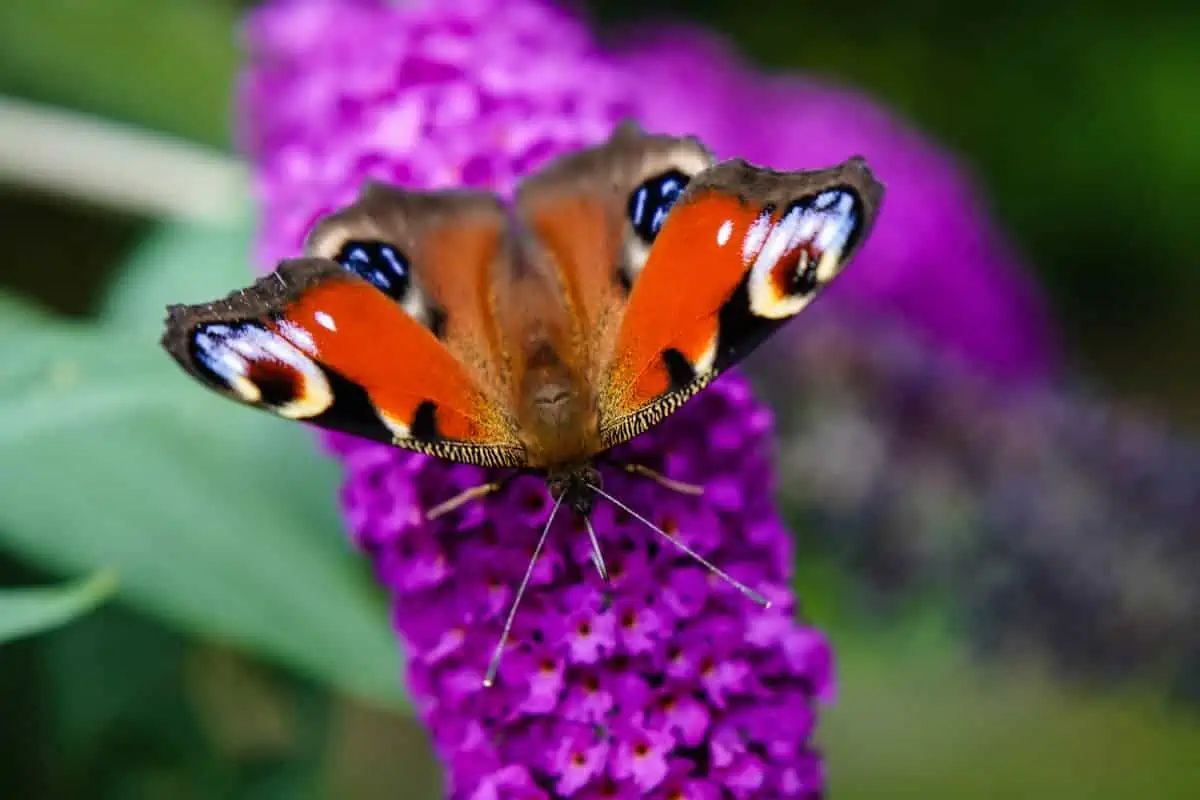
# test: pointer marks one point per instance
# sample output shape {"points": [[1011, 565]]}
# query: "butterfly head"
{"points": [[576, 486]]}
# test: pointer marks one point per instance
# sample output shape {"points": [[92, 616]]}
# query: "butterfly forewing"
{"points": [[743, 250], [315, 343]]}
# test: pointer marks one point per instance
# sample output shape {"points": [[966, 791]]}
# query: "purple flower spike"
{"points": [[664, 683]]}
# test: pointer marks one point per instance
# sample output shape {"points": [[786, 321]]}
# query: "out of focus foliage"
{"points": [[247, 654], [24, 612]]}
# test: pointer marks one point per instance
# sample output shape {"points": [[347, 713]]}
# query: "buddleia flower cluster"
{"points": [[662, 680]]}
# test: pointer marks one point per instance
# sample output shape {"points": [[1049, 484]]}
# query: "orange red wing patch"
{"points": [[583, 210], [692, 270], [438, 255]]}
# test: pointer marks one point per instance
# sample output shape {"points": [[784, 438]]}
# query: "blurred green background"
{"points": [[246, 653]]}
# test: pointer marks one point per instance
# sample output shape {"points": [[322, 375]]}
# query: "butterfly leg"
{"points": [[663, 480], [466, 495]]}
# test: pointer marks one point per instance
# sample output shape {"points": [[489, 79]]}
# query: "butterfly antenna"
{"points": [[711, 567], [489, 677], [597, 556]]}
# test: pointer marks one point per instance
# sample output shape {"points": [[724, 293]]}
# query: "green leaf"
{"points": [[134, 710], [16, 313], [167, 66], [24, 612], [219, 519]]}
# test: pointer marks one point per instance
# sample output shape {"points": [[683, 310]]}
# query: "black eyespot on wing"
{"points": [[833, 226], [424, 424], [379, 263], [246, 358], [278, 383], [437, 322], [622, 278], [679, 369], [256, 366], [650, 202]]}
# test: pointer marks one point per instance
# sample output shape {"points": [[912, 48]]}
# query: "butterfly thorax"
{"points": [[557, 414]]}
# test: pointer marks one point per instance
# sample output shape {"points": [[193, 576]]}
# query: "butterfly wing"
{"points": [[742, 250], [594, 214], [315, 342], [438, 255]]}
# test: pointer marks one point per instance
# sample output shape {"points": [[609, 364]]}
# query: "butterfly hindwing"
{"points": [[742, 250], [316, 343]]}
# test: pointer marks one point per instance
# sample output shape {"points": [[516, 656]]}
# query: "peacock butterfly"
{"points": [[620, 281]]}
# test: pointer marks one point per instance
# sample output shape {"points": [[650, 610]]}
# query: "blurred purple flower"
{"points": [[1057, 522], [425, 94]]}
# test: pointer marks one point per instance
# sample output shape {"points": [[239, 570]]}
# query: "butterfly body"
{"points": [[535, 334]]}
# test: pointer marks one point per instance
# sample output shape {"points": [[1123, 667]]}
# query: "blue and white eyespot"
{"points": [[262, 367], [379, 263], [652, 200], [804, 249]]}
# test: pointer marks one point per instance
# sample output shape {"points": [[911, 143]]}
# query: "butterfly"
{"points": [[535, 334]]}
